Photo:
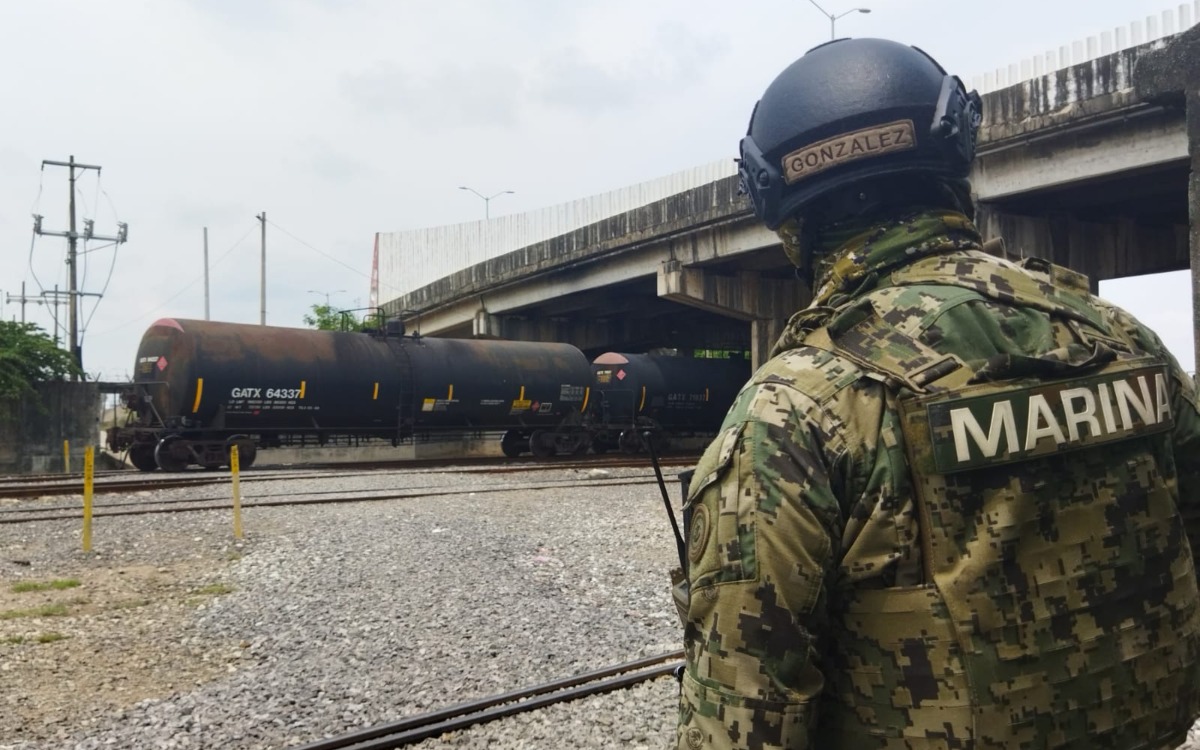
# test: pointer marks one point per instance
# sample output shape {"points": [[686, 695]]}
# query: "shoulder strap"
{"points": [[1035, 283], [859, 335]]}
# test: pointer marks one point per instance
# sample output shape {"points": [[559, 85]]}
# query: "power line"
{"points": [[37, 202], [319, 252], [173, 297], [111, 207], [327, 256], [111, 267], [32, 243]]}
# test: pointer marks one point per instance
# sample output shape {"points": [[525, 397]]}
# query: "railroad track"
{"points": [[17, 515], [73, 485], [423, 726]]}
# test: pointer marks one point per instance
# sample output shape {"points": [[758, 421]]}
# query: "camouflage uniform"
{"points": [[952, 511]]}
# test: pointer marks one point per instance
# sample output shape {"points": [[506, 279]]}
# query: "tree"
{"points": [[28, 356], [327, 318]]}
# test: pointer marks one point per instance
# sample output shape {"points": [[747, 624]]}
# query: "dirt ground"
{"points": [[119, 637]]}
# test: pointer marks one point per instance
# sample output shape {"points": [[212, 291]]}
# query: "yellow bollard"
{"points": [[66, 457], [237, 492], [88, 476]]}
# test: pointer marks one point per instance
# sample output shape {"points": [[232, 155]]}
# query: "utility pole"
{"points": [[206, 274], [24, 300], [21, 299], [56, 301], [262, 286], [72, 240], [53, 298], [56, 298]]}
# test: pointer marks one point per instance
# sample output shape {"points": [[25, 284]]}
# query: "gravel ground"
{"points": [[325, 619], [330, 618]]}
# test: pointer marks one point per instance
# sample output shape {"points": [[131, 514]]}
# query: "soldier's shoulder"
{"points": [[1149, 342], [804, 385], [1122, 319], [818, 374]]}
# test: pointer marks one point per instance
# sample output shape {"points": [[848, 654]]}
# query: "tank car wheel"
{"points": [[141, 455], [513, 444], [630, 442], [247, 451], [541, 444], [163, 457], [660, 442]]}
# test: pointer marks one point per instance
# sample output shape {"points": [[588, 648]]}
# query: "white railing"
{"points": [[1154, 27], [411, 259]]}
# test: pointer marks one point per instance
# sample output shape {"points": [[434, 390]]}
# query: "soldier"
{"points": [[954, 508]]}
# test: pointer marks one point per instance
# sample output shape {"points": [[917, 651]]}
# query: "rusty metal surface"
{"points": [[681, 393], [414, 729], [229, 377], [497, 383]]}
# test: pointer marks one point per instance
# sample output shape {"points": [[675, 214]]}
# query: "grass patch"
{"points": [[49, 610], [58, 584], [215, 589], [49, 637]]}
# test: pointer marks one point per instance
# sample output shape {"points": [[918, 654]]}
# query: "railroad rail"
{"points": [[73, 484], [154, 506], [414, 729]]}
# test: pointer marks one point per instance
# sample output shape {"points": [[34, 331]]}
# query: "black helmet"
{"points": [[850, 110]]}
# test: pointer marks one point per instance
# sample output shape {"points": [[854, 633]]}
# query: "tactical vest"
{"points": [[1059, 608]]}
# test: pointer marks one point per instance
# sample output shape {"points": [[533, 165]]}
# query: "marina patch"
{"points": [[1021, 423]]}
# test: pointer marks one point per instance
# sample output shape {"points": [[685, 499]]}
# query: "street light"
{"points": [[487, 199], [833, 19], [327, 294]]}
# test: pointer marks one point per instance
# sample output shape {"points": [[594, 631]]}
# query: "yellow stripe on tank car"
{"points": [[199, 390], [643, 403], [450, 395], [522, 396], [375, 395], [303, 383], [706, 394], [586, 393]]}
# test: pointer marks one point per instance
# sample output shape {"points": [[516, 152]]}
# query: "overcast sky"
{"points": [[341, 119]]}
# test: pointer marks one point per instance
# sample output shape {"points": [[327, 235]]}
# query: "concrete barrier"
{"points": [[448, 449], [33, 428]]}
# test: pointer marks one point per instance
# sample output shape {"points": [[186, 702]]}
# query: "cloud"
{"points": [[259, 15], [328, 163], [670, 61], [673, 61], [452, 96]]}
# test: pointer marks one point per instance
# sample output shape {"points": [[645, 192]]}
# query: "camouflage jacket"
{"points": [[952, 511]]}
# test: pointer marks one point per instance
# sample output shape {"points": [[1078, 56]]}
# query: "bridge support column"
{"points": [[765, 303], [1168, 76], [485, 324]]}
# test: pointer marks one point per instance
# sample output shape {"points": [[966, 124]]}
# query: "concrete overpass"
{"points": [[1087, 165]]}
